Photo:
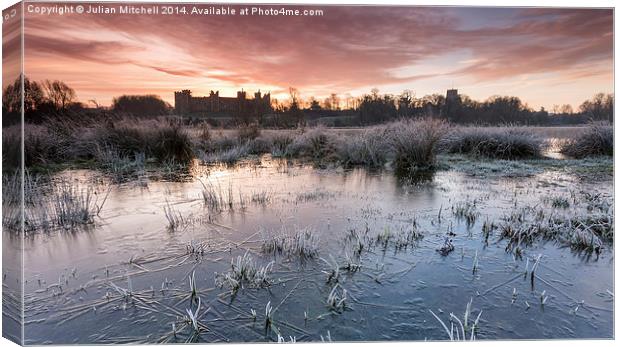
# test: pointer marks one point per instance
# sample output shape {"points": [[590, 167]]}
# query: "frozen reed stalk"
{"points": [[334, 273], [543, 298], [192, 286], [534, 267], [475, 264], [268, 314], [458, 332], [336, 300], [193, 316], [175, 219]]}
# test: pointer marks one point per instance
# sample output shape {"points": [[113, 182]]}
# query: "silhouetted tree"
{"points": [[59, 94], [12, 101], [405, 103], [334, 102], [140, 105], [600, 107], [314, 104], [375, 108]]}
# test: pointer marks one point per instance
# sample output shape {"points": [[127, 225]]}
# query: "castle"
{"points": [[185, 103]]}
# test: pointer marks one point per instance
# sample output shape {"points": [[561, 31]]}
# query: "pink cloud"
{"points": [[348, 48]]}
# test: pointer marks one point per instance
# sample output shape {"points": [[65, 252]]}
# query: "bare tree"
{"points": [[59, 94], [294, 98], [600, 107], [334, 100]]}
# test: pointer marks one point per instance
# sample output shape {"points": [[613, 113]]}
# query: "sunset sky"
{"points": [[543, 56]]}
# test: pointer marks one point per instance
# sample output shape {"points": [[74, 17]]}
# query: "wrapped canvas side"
{"points": [[12, 174]]}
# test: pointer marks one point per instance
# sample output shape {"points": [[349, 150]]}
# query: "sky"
{"points": [[544, 56]]}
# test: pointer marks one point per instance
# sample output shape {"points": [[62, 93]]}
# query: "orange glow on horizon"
{"points": [[544, 56]]}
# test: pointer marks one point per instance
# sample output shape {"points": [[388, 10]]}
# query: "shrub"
{"points": [[248, 132], [502, 143], [163, 140], [413, 143], [11, 147], [369, 148], [205, 133], [596, 140], [223, 143], [126, 138], [226, 156], [259, 145], [279, 144], [315, 143], [140, 105], [172, 144]]}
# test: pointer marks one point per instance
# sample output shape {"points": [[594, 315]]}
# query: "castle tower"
{"points": [[182, 101], [452, 95], [241, 101], [267, 101], [453, 104], [214, 98]]}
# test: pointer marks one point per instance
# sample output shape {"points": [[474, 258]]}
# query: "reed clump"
{"points": [[505, 143], [597, 140]]}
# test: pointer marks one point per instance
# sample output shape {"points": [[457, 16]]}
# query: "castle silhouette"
{"points": [[184, 102]]}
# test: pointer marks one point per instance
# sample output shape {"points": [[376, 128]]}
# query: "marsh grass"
{"points": [[247, 132], [121, 167], [314, 143], [559, 202], [217, 200], [460, 328], [11, 200], [174, 217], [413, 143], [597, 140], [369, 148], [315, 195], [261, 198], [227, 156], [505, 143], [38, 214], [466, 211], [245, 273], [583, 232], [173, 143], [337, 298], [407, 237], [301, 242], [487, 228], [280, 144], [73, 205]]}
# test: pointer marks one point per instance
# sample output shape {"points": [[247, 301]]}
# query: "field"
{"points": [[411, 230]]}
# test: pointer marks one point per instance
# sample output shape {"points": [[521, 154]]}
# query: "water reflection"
{"points": [[131, 242]]}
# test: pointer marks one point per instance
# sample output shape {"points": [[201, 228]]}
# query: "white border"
{"points": [[490, 3]]}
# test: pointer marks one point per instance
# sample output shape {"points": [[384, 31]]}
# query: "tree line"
{"points": [[53, 98], [374, 108]]}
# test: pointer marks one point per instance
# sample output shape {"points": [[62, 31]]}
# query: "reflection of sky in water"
{"points": [[390, 297]]}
